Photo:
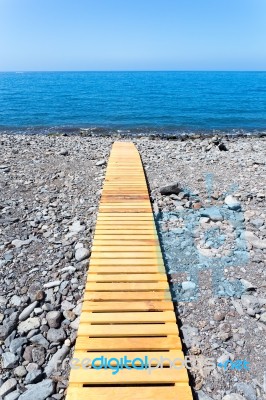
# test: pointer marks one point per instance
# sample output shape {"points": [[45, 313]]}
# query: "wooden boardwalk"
{"points": [[127, 308]]}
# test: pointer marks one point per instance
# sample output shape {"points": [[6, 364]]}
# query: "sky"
{"points": [[73, 35]]}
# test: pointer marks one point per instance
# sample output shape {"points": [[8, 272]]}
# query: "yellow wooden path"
{"points": [[127, 308]]}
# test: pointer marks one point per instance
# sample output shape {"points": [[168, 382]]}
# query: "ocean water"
{"points": [[134, 102]]}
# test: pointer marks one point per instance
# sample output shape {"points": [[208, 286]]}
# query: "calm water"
{"points": [[137, 101]]}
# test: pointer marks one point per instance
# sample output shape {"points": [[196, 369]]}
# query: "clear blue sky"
{"points": [[132, 35]]}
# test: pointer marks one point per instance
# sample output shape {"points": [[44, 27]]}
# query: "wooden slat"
{"points": [[127, 308]]}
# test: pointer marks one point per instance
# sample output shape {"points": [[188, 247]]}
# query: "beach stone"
{"points": [[54, 319], [9, 360], [20, 371], [13, 395], [188, 285], [56, 335], [257, 222], [19, 243], [100, 163], [52, 284], [35, 292], [263, 318], [203, 396], [77, 227], [7, 387], [75, 324], [246, 389], [39, 391], [213, 213], [28, 325], [56, 360], [15, 300], [170, 189], [40, 339], [34, 376], [8, 326], [234, 396], [38, 355], [82, 254], [232, 203], [63, 152], [27, 311], [16, 344]]}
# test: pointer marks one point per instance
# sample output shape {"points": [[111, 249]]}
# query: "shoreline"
{"points": [[50, 191]]}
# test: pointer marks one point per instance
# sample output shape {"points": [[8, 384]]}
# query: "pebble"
{"points": [[54, 319], [213, 213], [20, 371], [56, 335], [82, 254], [232, 203], [27, 311], [7, 387], [28, 325], [170, 189], [51, 284], [234, 396], [100, 163], [9, 360], [39, 391]]}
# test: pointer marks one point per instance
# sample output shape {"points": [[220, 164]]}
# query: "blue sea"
{"points": [[133, 102]]}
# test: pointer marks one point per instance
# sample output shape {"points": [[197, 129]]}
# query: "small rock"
{"points": [[34, 376], [19, 243], [170, 189], [100, 163], [63, 152], [39, 339], [263, 318], [218, 316], [247, 285], [35, 292], [28, 325], [56, 335], [54, 319], [77, 227], [9, 360], [188, 285], [234, 396], [17, 344], [38, 355], [82, 254], [56, 360], [27, 311], [51, 284], [75, 324], [232, 203], [213, 213], [13, 395], [39, 391], [20, 371], [7, 387]]}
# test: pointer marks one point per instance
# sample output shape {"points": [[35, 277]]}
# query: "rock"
{"points": [[39, 339], [213, 213], [27, 355], [188, 285], [66, 305], [190, 335], [9, 360], [56, 335], [234, 396], [247, 285], [28, 325], [82, 254], [20, 371], [77, 309], [249, 301], [100, 163], [51, 284], [13, 395], [203, 396], [232, 203], [56, 360], [8, 326], [16, 344], [63, 152], [27, 311], [34, 376], [263, 318], [251, 238], [218, 316], [15, 301], [54, 319], [19, 243], [38, 355], [39, 391], [35, 292], [170, 189], [257, 222], [7, 387], [77, 227], [247, 390], [75, 324]]}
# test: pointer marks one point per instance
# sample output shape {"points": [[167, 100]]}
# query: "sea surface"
{"points": [[133, 102]]}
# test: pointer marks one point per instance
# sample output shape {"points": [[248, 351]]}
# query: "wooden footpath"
{"points": [[127, 308]]}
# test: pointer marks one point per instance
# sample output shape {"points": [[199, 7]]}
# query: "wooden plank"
{"points": [[126, 277], [127, 306], [135, 262], [113, 296], [132, 317], [128, 343], [128, 330], [111, 269], [126, 287], [181, 392]]}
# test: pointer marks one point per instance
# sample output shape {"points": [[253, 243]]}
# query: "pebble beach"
{"points": [[50, 188]]}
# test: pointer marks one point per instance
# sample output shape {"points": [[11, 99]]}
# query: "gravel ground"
{"points": [[212, 225]]}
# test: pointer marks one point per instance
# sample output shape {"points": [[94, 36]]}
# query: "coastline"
{"points": [[50, 190]]}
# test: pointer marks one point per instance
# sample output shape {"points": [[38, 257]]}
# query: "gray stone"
{"points": [[38, 355], [63, 152], [247, 390], [39, 339], [263, 318], [15, 300], [170, 189], [19, 243], [75, 324], [188, 285], [247, 285], [77, 309], [77, 227], [56, 360], [8, 326], [54, 319], [190, 335], [82, 254], [56, 335], [51, 284], [34, 376], [27, 311], [28, 325], [39, 391], [213, 213], [234, 396], [20, 371], [257, 222], [100, 163], [13, 395], [7, 387], [232, 203], [9, 360], [16, 344], [35, 292], [203, 396]]}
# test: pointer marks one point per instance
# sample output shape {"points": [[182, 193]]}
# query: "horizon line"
{"points": [[137, 70]]}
